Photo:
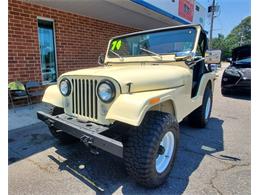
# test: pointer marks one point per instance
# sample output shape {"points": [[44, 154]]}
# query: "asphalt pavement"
{"points": [[213, 160]]}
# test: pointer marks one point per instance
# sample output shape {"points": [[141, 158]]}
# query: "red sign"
{"points": [[186, 9]]}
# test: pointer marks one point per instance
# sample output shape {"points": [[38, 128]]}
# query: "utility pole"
{"points": [[211, 23]]}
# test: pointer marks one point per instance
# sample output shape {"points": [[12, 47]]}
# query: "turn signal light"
{"points": [[154, 100]]}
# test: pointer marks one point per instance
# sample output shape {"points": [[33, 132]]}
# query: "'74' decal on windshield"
{"points": [[116, 45]]}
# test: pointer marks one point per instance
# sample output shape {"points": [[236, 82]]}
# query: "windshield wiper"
{"points": [[121, 58], [151, 52]]}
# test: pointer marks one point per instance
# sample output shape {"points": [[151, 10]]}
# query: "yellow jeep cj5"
{"points": [[130, 106]]}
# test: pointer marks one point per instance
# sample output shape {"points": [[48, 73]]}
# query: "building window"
{"points": [[197, 8], [186, 8], [201, 20], [47, 51]]}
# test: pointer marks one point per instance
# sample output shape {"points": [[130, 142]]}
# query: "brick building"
{"points": [[48, 38]]}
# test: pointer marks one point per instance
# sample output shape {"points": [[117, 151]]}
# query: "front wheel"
{"points": [[199, 117], [150, 149]]}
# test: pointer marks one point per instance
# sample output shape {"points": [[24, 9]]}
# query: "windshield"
{"points": [[243, 63], [153, 43]]}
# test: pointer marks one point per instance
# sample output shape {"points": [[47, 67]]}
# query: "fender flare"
{"points": [[53, 96], [207, 79], [131, 108]]}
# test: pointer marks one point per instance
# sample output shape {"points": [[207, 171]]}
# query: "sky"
{"points": [[230, 15]]}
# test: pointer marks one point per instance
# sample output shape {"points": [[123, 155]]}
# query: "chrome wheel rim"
{"points": [[207, 111], [163, 159]]}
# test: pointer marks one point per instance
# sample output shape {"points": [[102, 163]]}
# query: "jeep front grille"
{"points": [[84, 98]]}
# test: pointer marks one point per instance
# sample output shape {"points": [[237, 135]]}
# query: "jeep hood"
{"points": [[143, 78]]}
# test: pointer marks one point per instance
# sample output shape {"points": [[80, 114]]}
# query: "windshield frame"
{"points": [[154, 58]]}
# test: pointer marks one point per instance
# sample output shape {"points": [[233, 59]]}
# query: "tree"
{"points": [[220, 43], [240, 35]]}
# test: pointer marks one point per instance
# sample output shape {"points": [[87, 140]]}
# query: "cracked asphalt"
{"points": [[213, 160]]}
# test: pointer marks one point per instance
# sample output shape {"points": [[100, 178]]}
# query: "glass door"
{"points": [[47, 51]]}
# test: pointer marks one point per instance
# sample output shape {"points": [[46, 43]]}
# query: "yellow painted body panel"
{"points": [[53, 96], [143, 78], [166, 79], [131, 108]]}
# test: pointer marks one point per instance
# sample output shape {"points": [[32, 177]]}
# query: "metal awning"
{"points": [[124, 12]]}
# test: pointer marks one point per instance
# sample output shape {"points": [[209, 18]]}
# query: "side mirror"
{"points": [[101, 59], [213, 57]]}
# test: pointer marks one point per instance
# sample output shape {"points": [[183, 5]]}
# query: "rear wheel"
{"points": [[150, 149], [199, 117], [57, 133]]}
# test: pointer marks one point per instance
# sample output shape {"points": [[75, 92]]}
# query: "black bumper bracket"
{"points": [[88, 133]]}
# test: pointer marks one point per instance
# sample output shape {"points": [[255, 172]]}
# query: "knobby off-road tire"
{"points": [[199, 117], [143, 149], [59, 134]]}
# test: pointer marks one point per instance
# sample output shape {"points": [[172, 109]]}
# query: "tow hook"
{"points": [[94, 150], [50, 122], [88, 141]]}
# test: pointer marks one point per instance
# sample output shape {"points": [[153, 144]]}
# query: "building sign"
{"points": [[186, 9], [182, 11]]}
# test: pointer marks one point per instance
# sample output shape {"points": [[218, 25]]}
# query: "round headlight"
{"points": [[106, 91], [65, 87]]}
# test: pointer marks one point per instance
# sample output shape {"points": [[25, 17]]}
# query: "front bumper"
{"points": [[88, 132]]}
